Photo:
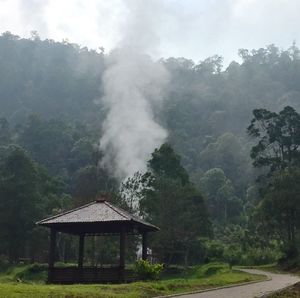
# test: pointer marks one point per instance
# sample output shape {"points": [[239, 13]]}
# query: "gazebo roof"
{"points": [[97, 217]]}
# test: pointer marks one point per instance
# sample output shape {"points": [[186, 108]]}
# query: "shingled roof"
{"points": [[99, 216]]}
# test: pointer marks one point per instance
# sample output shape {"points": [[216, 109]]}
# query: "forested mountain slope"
{"points": [[206, 112], [50, 105]]}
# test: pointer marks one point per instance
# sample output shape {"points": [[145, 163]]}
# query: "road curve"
{"points": [[277, 281]]}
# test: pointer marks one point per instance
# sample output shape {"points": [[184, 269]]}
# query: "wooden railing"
{"points": [[69, 275]]}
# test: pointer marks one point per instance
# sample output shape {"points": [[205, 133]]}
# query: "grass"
{"points": [[36, 273], [273, 268], [198, 278]]}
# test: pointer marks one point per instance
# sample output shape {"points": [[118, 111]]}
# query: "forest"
{"points": [[224, 187]]}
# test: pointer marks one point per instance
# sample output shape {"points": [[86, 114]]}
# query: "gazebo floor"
{"points": [[88, 275]]}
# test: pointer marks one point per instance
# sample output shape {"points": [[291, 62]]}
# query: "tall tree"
{"points": [[171, 202], [18, 202], [166, 163], [219, 192], [282, 203], [278, 138], [278, 149], [27, 193]]}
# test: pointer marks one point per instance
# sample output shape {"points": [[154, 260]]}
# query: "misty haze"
{"points": [[149, 145]]}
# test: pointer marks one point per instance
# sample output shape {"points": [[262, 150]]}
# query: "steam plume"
{"points": [[133, 85]]}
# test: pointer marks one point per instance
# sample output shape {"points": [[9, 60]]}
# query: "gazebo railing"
{"points": [[68, 275]]}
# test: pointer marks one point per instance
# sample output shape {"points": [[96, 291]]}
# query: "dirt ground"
{"points": [[291, 292]]}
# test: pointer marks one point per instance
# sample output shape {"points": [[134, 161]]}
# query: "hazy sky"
{"points": [[194, 29]]}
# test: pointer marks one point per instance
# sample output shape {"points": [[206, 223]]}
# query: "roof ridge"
{"points": [[116, 214], [115, 209], [64, 213], [128, 215]]}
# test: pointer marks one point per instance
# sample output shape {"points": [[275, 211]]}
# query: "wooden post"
{"points": [[122, 255], [144, 246], [81, 251], [122, 248], [51, 254]]}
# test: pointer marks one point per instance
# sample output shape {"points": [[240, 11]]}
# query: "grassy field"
{"points": [[31, 284]]}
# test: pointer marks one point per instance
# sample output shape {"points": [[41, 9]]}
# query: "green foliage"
{"points": [[27, 193], [49, 107], [165, 162], [261, 256], [289, 263], [54, 79], [18, 201], [217, 250], [232, 254], [277, 149], [220, 196], [35, 272], [239, 246], [210, 269], [167, 195], [281, 202], [279, 138], [214, 250], [147, 271], [228, 153]]}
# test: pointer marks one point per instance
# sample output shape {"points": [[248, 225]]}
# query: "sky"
{"points": [[194, 29]]}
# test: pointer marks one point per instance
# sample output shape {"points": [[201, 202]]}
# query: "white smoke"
{"points": [[133, 85]]}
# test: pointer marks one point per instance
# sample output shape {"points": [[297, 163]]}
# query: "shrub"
{"points": [[214, 250], [34, 272], [147, 271], [211, 269], [232, 254], [36, 268], [260, 256]]}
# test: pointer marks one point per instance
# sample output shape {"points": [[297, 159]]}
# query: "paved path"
{"points": [[277, 282]]}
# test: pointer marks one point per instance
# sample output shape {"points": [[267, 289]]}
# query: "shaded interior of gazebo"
{"points": [[97, 218]]}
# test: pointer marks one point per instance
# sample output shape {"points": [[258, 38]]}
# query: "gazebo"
{"points": [[97, 218]]}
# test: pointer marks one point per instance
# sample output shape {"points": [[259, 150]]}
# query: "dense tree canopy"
{"points": [[278, 150], [279, 138], [172, 202], [51, 113]]}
